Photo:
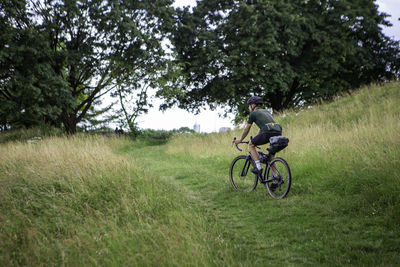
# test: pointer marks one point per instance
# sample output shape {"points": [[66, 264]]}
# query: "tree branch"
{"points": [[139, 103], [4, 93], [128, 119], [88, 103], [106, 91]]}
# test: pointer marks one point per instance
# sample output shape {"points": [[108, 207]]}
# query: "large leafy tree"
{"points": [[288, 52], [27, 81], [85, 49]]}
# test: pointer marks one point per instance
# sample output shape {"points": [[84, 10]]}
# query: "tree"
{"points": [[90, 47], [27, 96], [289, 52], [184, 130], [133, 106]]}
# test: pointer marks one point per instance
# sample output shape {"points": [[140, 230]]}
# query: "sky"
{"points": [[210, 121]]}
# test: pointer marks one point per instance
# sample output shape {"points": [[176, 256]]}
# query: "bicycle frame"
{"points": [[246, 166], [276, 169]]}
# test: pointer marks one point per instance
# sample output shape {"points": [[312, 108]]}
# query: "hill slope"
{"points": [[73, 201], [97, 201], [344, 205]]}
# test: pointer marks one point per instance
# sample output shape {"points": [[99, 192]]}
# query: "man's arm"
{"points": [[259, 132], [244, 134]]}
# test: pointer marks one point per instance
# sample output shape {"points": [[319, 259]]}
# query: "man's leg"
{"points": [[258, 168], [256, 159], [253, 151], [258, 140]]}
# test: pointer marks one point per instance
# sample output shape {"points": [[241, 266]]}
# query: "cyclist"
{"points": [[268, 128]]}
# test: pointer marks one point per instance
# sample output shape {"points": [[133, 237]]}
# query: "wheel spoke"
{"points": [[241, 178], [280, 178]]}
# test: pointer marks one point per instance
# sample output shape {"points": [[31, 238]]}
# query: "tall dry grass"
{"points": [[75, 201], [362, 125]]}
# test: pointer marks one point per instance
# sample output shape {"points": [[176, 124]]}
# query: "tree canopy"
{"points": [[289, 52], [57, 58]]}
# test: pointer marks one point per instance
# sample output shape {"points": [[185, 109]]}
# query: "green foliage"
{"points": [[30, 91], [154, 137], [288, 52], [32, 134], [66, 55], [158, 137], [184, 130]]}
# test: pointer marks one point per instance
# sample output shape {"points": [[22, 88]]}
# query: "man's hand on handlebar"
{"points": [[237, 141]]}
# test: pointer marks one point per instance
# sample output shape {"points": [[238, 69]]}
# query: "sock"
{"points": [[258, 164]]}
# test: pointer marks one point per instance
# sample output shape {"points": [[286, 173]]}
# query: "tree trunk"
{"points": [[70, 123], [275, 101], [280, 100]]}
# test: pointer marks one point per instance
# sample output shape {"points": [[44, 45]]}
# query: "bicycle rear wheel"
{"points": [[279, 178], [242, 179]]}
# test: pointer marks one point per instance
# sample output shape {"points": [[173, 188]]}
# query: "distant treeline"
{"points": [[58, 59], [148, 136]]}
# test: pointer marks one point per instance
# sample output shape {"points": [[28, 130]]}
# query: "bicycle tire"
{"points": [[286, 178], [243, 181]]}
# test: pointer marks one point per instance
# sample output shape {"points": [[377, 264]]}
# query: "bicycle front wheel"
{"points": [[279, 178], [242, 179]]}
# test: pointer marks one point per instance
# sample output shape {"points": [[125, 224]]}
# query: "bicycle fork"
{"points": [[246, 167]]}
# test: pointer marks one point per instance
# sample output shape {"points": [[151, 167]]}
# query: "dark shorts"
{"points": [[263, 138]]}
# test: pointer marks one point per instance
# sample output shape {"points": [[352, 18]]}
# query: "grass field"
{"points": [[102, 201]]}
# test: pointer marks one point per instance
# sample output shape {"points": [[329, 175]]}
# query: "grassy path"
{"points": [[79, 202], [312, 226]]}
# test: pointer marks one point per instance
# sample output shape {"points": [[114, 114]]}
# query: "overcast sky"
{"points": [[391, 7], [209, 120]]}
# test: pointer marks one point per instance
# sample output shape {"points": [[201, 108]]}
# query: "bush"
{"points": [[154, 137], [34, 133]]}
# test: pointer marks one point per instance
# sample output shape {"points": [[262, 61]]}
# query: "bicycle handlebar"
{"points": [[243, 142], [237, 147]]}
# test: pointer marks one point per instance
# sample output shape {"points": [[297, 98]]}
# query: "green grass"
{"points": [[344, 205], [97, 201], [75, 202]]}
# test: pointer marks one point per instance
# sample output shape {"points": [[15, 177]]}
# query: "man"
{"points": [[268, 128]]}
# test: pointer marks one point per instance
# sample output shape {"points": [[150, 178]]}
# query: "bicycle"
{"points": [[277, 177]]}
